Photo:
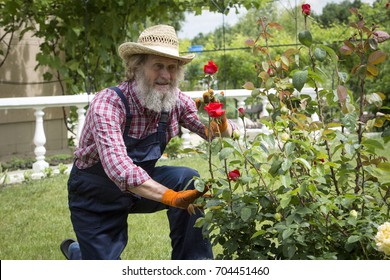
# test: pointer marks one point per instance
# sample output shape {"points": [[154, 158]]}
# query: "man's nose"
{"points": [[164, 73]]}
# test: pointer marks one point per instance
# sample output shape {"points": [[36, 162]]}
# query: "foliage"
{"points": [[79, 38], [174, 147], [337, 13], [311, 188]]}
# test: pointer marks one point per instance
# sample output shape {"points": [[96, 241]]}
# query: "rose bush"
{"points": [[312, 188]]}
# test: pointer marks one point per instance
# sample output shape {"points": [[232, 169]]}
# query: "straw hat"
{"points": [[158, 40]]}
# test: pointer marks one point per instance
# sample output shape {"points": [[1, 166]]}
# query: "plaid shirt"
{"points": [[102, 140]]}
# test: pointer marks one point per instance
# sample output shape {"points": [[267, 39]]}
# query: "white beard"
{"points": [[153, 99]]}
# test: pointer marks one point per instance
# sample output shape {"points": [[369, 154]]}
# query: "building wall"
{"points": [[18, 78]]}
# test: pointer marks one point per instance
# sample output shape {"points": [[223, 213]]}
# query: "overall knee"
{"points": [[186, 177]]}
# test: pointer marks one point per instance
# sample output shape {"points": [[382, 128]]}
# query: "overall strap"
{"points": [[128, 115], [161, 130], [162, 124]]}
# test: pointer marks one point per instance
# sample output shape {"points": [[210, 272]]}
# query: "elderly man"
{"points": [[126, 130]]}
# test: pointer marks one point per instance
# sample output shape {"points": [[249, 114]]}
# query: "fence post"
{"points": [[39, 141], [80, 123]]}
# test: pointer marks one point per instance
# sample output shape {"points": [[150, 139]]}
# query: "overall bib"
{"points": [[99, 209]]}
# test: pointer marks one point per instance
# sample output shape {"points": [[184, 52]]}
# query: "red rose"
{"points": [[214, 109], [210, 68], [241, 112], [306, 9], [234, 175]]}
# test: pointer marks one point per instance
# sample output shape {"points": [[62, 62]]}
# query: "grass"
{"points": [[34, 219]]}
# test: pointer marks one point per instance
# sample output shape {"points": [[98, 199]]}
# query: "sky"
{"points": [[208, 21]]}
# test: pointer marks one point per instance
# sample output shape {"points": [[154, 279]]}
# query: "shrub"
{"points": [[312, 188]]}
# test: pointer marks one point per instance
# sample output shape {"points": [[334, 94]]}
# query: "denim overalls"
{"points": [[99, 209]]}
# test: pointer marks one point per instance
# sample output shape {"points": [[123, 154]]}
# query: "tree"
{"points": [[334, 13], [80, 37]]}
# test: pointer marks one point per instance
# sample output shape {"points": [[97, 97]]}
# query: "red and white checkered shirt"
{"points": [[102, 140]]}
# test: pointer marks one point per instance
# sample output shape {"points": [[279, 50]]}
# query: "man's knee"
{"points": [[176, 177]]}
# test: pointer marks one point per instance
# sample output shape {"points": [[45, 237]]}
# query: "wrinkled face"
{"points": [[157, 81], [161, 72]]}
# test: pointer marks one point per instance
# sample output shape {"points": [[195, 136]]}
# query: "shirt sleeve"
{"points": [[108, 118]]}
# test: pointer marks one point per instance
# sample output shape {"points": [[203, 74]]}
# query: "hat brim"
{"points": [[128, 49]]}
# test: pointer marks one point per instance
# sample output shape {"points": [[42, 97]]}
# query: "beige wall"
{"points": [[19, 79]]}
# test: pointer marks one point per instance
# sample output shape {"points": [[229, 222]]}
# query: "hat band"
{"points": [[166, 50]]}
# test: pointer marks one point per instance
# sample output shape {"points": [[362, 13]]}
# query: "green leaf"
{"points": [[285, 201], [275, 167], [318, 76], [381, 172], [304, 162], [299, 79], [289, 148], [289, 251], [287, 233], [353, 238], [286, 164], [320, 54], [286, 180], [260, 232], [304, 211], [245, 213], [343, 76], [372, 144], [225, 153], [332, 54], [305, 38]]}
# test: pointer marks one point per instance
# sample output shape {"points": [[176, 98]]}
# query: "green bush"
{"points": [[311, 189]]}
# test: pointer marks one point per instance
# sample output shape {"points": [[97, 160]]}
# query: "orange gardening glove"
{"points": [[180, 199], [218, 128], [223, 123]]}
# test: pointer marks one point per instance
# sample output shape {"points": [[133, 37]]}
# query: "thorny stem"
{"points": [[359, 164], [209, 150], [246, 147], [321, 117], [230, 185]]}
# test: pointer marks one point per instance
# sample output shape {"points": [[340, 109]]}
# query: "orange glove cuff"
{"points": [[169, 197]]}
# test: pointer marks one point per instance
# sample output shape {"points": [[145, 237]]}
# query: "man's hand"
{"points": [[180, 199], [218, 127]]}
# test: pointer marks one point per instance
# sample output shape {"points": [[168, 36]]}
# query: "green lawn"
{"points": [[35, 219]]}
